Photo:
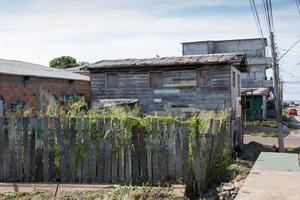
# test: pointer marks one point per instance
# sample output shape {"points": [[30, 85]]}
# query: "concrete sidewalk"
{"points": [[274, 176]]}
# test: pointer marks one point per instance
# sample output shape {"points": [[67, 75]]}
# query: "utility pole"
{"points": [[277, 93]]}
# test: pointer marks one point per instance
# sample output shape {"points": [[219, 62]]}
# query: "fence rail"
{"points": [[101, 151]]}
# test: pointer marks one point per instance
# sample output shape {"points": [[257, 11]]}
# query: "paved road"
{"points": [[292, 140], [288, 141]]}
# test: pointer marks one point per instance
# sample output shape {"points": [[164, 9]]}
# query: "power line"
{"points": [[256, 17], [289, 49], [298, 5]]}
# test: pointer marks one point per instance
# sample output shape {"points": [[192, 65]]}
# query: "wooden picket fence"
{"points": [[54, 150]]}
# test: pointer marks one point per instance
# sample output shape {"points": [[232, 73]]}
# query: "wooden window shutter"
{"points": [[112, 80], [156, 80], [204, 79]]}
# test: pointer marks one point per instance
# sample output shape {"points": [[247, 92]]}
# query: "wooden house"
{"points": [[170, 84], [184, 84]]}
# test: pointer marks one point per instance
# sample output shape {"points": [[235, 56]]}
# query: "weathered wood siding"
{"points": [[179, 93]]}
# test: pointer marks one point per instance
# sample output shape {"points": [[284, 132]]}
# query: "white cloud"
{"points": [[93, 30]]}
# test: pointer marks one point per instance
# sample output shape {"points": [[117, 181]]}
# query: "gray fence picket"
{"points": [[178, 152], [32, 153], [45, 151], [155, 151], [66, 143], [19, 148], [61, 151], [107, 167], [79, 149], [6, 156], [12, 148], [163, 156], [149, 158], [100, 156], [171, 151], [114, 152], [72, 149], [185, 152], [85, 154], [1, 149], [51, 143], [26, 157]]}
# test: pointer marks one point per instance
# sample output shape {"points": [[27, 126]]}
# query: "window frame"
{"points": [[106, 80], [162, 79]]}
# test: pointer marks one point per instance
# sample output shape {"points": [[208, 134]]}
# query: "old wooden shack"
{"points": [[184, 84], [170, 84]]}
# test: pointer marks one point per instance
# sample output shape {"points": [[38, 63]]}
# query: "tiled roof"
{"points": [[20, 68]]}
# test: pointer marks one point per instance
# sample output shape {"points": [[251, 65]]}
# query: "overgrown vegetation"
{"points": [[117, 193]]}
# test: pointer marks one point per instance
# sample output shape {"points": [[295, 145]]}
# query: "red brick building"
{"points": [[31, 86]]}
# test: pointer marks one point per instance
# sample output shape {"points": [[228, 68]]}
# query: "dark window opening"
{"points": [[64, 98], [156, 79], [233, 79], [239, 84], [112, 80], [246, 104], [1, 106], [204, 79], [17, 106]]}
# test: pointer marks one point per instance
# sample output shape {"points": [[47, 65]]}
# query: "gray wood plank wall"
{"points": [[134, 84]]}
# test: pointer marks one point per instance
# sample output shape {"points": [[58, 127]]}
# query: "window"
{"points": [[112, 80], [204, 78], [64, 98], [239, 84], [17, 106], [233, 79], [1, 106], [156, 79], [246, 104]]}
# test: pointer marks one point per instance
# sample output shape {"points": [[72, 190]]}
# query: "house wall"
{"points": [[255, 52], [252, 47], [179, 93], [35, 91]]}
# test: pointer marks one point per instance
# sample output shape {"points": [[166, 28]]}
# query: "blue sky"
{"points": [[90, 30]]}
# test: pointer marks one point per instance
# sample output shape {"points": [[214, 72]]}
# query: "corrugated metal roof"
{"points": [[234, 58], [20, 68], [255, 91], [102, 103]]}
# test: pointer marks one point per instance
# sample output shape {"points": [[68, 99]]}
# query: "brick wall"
{"points": [[34, 91]]}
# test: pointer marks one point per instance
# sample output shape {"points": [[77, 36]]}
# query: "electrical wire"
{"points": [[298, 5], [256, 17]]}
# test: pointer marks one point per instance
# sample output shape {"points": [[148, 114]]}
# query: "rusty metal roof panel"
{"points": [[233, 58]]}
